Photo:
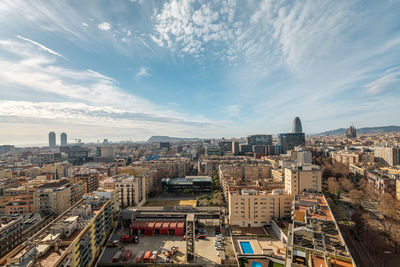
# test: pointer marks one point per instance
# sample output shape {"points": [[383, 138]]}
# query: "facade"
{"points": [[189, 183], [259, 149], [398, 189], [213, 151], [352, 157], [44, 158], [259, 139], [164, 145], [382, 181], [105, 152], [63, 140], [387, 155], [300, 178], [76, 154], [235, 147], [131, 190], [288, 141], [253, 208], [10, 234], [300, 155], [245, 148], [57, 196], [297, 128], [52, 139], [20, 204], [53, 197]]}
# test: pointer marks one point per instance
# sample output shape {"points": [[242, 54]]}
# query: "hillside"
{"points": [[159, 138], [365, 130]]}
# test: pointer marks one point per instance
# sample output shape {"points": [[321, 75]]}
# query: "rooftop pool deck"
{"points": [[246, 247]]}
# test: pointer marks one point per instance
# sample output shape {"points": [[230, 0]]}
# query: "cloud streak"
{"points": [[41, 46]]}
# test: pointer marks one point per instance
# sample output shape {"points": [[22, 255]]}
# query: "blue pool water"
{"points": [[246, 247], [255, 264]]}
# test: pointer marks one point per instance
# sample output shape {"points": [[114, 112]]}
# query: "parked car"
{"points": [[201, 237]]}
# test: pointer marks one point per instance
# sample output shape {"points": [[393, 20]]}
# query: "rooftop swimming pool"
{"points": [[246, 247], [255, 264]]}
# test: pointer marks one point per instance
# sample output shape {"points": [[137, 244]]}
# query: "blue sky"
{"points": [[131, 69]]}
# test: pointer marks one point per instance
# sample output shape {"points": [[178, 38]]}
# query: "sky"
{"points": [[130, 69]]}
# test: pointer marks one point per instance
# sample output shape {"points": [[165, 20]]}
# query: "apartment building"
{"points": [[352, 157], [301, 177], [57, 196], [10, 234], [171, 168], [75, 238], [90, 176], [382, 181], [387, 155], [19, 205], [131, 190], [253, 208], [314, 238]]}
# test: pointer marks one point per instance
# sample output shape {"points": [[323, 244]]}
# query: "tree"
{"points": [[217, 199], [202, 202], [387, 205], [356, 196], [334, 187], [346, 184]]}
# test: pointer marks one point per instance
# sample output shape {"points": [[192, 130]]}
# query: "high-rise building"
{"points": [[52, 139], [288, 141], [297, 126], [235, 147], [64, 139], [387, 155], [259, 139]]}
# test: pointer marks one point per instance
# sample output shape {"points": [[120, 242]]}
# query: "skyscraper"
{"points": [[64, 139], [297, 126], [52, 139]]}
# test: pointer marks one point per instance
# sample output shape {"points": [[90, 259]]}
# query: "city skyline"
{"points": [[133, 69]]}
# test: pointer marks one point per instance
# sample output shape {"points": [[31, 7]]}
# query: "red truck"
{"points": [[117, 256], [139, 256], [127, 255], [147, 256]]}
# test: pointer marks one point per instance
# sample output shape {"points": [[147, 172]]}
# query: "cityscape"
{"points": [[263, 200], [199, 133]]}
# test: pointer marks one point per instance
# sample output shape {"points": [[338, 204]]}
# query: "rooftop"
{"points": [[62, 231]]}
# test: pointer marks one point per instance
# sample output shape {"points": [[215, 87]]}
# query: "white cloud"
{"points": [[105, 26], [143, 72], [84, 95], [84, 24], [41, 46], [390, 80], [189, 25]]}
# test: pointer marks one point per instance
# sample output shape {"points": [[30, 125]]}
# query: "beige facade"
{"points": [[131, 190], [299, 178], [252, 208], [52, 198], [387, 155]]}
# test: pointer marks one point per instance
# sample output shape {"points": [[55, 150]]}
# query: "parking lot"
{"points": [[148, 243], [205, 250]]}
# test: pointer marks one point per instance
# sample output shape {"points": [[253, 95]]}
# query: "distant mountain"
{"points": [[365, 130], [158, 138]]}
